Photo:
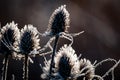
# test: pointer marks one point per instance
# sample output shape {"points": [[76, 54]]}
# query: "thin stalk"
{"points": [[53, 54], [6, 59], [25, 68]]}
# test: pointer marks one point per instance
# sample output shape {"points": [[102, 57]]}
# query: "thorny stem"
{"points": [[26, 64], [4, 77], [53, 54]]}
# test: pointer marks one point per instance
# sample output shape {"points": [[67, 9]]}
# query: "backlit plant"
{"points": [[63, 64]]}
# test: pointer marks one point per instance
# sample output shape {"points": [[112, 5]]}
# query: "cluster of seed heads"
{"points": [[64, 64], [70, 67]]}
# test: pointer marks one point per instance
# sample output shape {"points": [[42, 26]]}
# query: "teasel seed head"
{"points": [[66, 62], [29, 39], [59, 21], [87, 68], [9, 37], [66, 65]]}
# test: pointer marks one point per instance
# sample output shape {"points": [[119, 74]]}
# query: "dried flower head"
{"points": [[59, 21], [29, 39], [66, 65], [9, 37], [66, 62], [87, 69]]}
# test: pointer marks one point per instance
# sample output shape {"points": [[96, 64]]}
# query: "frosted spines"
{"points": [[87, 68], [9, 37], [29, 42], [66, 65], [59, 21], [68, 54], [29, 39]]}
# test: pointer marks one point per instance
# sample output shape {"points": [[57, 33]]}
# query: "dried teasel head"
{"points": [[29, 39], [66, 62], [87, 69], [9, 37], [66, 65], [59, 21]]}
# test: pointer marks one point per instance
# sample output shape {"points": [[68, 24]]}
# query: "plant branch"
{"points": [[26, 63], [5, 62], [53, 54]]}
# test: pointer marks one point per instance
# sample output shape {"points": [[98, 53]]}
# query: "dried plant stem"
{"points": [[53, 54], [111, 69], [25, 68], [5, 62]]}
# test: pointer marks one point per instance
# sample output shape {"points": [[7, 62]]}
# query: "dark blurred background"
{"points": [[100, 19]]}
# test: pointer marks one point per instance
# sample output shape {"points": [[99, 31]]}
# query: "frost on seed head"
{"points": [[59, 21], [9, 37], [66, 65], [29, 39], [66, 62]]}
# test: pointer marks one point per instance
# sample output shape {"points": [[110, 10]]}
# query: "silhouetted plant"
{"points": [[64, 64], [9, 37], [58, 27], [70, 67], [58, 23], [28, 42]]}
